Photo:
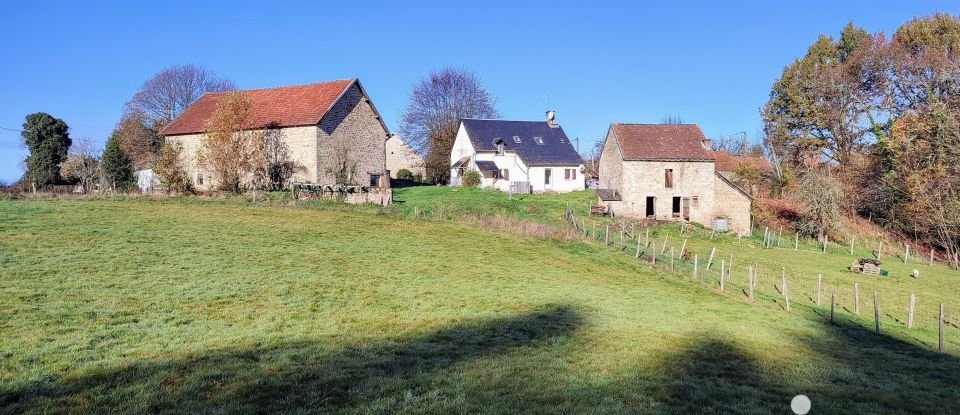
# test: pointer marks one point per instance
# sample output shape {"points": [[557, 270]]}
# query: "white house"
{"points": [[522, 156]]}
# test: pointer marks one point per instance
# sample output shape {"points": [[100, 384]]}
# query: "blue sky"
{"points": [[711, 63]]}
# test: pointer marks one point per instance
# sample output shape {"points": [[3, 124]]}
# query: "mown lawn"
{"points": [[209, 306]]}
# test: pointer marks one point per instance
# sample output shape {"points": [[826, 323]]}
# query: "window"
{"points": [[546, 176], [696, 202], [516, 139], [200, 178], [374, 180], [668, 178], [505, 173], [538, 140], [570, 174]]}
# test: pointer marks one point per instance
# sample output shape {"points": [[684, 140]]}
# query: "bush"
{"points": [[404, 174], [171, 173], [471, 178]]}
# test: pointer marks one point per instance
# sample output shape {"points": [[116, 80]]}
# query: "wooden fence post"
{"points": [[931, 257], [819, 281], [913, 300], [796, 241], [672, 268], [766, 231], [663, 249], [622, 229], [876, 312], [779, 234], [853, 239], [833, 294], [906, 254], [653, 252], [722, 270], [783, 287], [750, 281], [940, 325], [730, 267], [683, 248], [880, 250], [606, 237], [738, 238], [696, 262], [856, 298], [646, 242], [638, 250], [710, 261], [826, 240]]}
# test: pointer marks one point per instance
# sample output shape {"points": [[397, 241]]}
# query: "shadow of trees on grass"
{"points": [[293, 376], [493, 366]]}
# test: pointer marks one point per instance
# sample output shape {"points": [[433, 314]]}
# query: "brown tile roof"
{"points": [[661, 142], [284, 106], [730, 162]]}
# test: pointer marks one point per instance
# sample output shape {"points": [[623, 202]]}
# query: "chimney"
{"points": [[552, 119]]}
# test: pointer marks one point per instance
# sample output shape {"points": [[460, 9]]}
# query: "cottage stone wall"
{"points": [[691, 179], [733, 205], [401, 156], [611, 164], [351, 124]]}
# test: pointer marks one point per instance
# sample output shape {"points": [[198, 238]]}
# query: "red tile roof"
{"points": [[661, 142], [730, 162], [284, 106]]}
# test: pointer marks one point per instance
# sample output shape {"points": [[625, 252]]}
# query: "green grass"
{"points": [[187, 305]]}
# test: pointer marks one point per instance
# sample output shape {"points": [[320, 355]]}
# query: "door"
{"points": [[675, 211], [650, 211], [547, 179], [686, 208]]}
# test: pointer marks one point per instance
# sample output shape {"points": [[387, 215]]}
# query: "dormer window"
{"points": [[516, 139], [538, 140], [498, 142]]}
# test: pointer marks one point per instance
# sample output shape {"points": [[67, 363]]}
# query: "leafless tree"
{"points": [[672, 120], [164, 96], [436, 105], [279, 166], [82, 164]]}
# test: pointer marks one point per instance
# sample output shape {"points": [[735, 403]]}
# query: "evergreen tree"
{"points": [[48, 141], [116, 166]]}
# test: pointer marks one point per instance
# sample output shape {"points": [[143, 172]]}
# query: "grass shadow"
{"points": [[291, 376]]}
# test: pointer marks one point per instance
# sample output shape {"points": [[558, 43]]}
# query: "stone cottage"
{"points": [[668, 172], [401, 156], [318, 123], [518, 156]]}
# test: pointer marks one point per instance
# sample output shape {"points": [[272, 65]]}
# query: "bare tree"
{"points": [[164, 96], [344, 168], [278, 164], [436, 105], [82, 164], [671, 120]]}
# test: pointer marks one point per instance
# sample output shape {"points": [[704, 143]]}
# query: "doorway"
{"points": [[686, 208], [676, 207], [650, 204]]}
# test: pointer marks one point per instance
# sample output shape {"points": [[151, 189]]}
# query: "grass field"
{"points": [[191, 305]]}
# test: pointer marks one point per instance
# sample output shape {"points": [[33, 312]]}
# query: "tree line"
{"points": [[869, 124]]}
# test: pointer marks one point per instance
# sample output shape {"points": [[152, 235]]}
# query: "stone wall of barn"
{"points": [[351, 131], [401, 156], [301, 144]]}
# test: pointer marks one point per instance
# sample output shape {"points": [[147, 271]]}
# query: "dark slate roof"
{"points": [[556, 149]]}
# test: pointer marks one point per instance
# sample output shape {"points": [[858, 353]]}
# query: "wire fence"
{"points": [[672, 247]]}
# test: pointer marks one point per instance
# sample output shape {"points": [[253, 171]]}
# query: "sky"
{"points": [[711, 63]]}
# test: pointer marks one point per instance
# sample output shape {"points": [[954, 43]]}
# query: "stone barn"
{"points": [[668, 172], [317, 122], [401, 156]]}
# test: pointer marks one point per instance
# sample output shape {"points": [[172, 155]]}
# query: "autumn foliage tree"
{"points": [[158, 101], [233, 145], [436, 105], [883, 114]]}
